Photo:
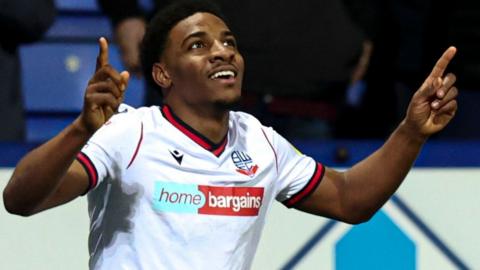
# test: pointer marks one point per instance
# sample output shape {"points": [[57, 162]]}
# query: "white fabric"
{"points": [[146, 215]]}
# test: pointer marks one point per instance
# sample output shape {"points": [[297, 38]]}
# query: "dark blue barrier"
{"points": [[11, 153], [434, 154]]}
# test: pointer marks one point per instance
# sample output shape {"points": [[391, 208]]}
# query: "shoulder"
{"points": [[244, 120], [247, 125], [127, 124], [129, 115]]}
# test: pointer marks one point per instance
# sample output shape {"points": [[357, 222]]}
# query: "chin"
{"points": [[228, 105]]}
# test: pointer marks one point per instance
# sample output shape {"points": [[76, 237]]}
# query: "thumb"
{"points": [[125, 77]]}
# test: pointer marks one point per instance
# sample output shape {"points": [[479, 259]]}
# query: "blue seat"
{"points": [[54, 79], [78, 20], [55, 72], [77, 5], [91, 5], [83, 19], [79, 28]]}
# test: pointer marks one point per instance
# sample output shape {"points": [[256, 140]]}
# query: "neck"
{"points": [[212, 123]]}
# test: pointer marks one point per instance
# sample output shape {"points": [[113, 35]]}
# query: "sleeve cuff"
{"points": [[90, 169], [308, 188]]}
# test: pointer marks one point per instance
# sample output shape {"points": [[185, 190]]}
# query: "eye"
{"points": [[197, 45], [230, 43]]}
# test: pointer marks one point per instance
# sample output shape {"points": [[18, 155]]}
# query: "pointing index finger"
{"points": [[102, 58], [443, 62]]}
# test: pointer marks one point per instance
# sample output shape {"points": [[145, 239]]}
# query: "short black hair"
{"points": [[157, 32]]}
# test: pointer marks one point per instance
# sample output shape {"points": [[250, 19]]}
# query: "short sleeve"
{"points": [[298, 175], [113, 147]]}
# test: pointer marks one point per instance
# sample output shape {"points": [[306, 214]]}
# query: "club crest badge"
{"points": [[244, 163]]}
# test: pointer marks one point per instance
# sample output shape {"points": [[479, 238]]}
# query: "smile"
{"points": [[224, 74]]}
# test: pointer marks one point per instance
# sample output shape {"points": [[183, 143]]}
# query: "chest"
{"points": [[178, 177]]}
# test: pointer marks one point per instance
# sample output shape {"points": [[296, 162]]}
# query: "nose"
{"points": [[221, 52]]}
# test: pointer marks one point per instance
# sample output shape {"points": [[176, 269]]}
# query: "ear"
{"points": [[160, 75]]}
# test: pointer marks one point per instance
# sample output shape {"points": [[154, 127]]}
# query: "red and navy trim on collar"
{"points": [[216, 148], [309, 188], [90, 169]]}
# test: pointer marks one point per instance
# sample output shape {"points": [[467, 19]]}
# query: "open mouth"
{"points": [[223, 75]]}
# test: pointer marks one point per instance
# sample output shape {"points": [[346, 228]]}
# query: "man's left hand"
{"points": [[434, 104]]}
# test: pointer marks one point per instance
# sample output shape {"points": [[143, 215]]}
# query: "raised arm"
{"points": [[355, 195], [49, 175]]}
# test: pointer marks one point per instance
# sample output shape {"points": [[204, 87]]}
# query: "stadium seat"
{"points": [[55, 76], [86, 28], [91, 5], [55, 71], [77, 5]]}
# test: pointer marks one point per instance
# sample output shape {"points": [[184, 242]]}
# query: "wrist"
{"points": [[80, 129], [411, 133]]}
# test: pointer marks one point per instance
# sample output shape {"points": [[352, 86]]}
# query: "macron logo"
{"points": [[177, 156], [207, 200]]}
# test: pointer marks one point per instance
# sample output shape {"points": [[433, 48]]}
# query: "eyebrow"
{"points": [[201, 34]]}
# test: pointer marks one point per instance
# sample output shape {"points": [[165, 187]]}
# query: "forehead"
{"points": [[198, 22]]}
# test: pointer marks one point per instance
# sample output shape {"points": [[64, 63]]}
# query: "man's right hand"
{"points": [[105, 92], [49, 175]]}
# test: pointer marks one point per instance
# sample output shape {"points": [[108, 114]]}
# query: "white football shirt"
{"points": [[162, 196]]}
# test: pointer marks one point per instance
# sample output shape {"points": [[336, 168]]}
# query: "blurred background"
{"points": [[333, 76], [331, 69]]}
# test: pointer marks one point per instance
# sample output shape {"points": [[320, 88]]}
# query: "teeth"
{"points": [[224, 73]]}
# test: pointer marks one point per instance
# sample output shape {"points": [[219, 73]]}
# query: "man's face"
{"points": [[202, 62]]}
